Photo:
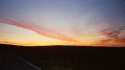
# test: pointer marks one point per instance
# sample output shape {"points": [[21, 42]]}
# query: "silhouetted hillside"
{"points": [[69, 57]]}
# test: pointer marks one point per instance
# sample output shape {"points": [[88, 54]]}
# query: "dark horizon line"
{"points": [[52, 45]]}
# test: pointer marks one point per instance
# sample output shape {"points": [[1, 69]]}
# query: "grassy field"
{"points": [[68, 57]]}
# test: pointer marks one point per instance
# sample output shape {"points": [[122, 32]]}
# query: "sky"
{"points": [[62, 22]]}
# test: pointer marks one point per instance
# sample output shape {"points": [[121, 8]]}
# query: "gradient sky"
{"points": [[62, 22]]}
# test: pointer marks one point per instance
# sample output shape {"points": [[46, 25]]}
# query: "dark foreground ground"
{"points": [[70, 57]]}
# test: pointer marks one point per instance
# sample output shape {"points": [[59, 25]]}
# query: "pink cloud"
{"points": [[42, 30], [112, 35], [122, 41]]}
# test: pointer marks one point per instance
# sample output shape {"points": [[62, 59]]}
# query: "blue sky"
{"points": [[80, 22]]}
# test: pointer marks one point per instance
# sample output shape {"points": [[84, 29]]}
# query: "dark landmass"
{"points": [[69, 57]]}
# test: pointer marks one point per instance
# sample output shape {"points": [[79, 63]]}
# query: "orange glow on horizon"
{"points": [[111, 44]]}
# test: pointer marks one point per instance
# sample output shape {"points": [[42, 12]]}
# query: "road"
{"points": [[10, 61]]}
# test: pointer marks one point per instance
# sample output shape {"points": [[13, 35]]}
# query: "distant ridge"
{"points": [[49, 45]]}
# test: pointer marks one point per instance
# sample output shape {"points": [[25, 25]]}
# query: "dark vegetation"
{"points": [[69, 57]]}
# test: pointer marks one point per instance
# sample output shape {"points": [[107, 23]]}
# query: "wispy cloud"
{"points": [[122, 28], [41, 30], [122, 41], [112, 32], [105, 41], [112, 35]]}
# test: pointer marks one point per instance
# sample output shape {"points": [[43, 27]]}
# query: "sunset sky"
{"points": [[62, 22]]}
